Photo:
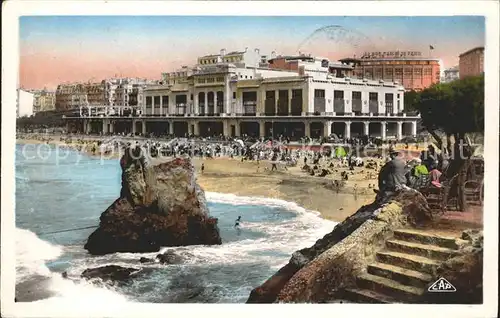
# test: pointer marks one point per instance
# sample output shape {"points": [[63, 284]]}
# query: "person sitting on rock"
{"points": [[392, 175]]}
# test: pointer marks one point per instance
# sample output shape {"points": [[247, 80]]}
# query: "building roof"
{"points": [[472, 50], [292, 57], [235, 52], [209, 55], [452, 69]]}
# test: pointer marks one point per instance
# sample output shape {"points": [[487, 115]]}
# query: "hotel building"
{"points": [[43, 100], [243, 93], [451, 74], [410, 69], [471, 63]]}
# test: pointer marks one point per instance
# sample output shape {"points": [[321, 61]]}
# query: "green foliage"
{"points": [[42, 119], [411, 99], [454, 108]]}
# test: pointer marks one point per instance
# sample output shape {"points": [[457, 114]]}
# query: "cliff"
{"points": [[159, 205]]}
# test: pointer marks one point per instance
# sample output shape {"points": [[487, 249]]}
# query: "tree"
{"points": [[455, 109], [411, 99]]}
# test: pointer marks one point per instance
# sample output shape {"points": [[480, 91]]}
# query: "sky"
{"points": [[58, 49]]}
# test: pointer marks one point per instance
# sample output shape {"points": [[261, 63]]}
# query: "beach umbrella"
{"points": [[340, 152], [240, 142]]}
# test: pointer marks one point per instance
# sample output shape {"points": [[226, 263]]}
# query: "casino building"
{"points": [[239, 94], [410, 69]]}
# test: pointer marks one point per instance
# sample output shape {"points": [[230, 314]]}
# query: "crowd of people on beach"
{"points": [[340, 160]]}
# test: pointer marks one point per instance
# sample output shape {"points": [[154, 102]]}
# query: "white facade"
{"points": [[223, 94], [25, 101], [451, 74]]}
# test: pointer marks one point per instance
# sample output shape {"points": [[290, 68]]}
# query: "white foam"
{"points": [[282, 239], [32, 253]]}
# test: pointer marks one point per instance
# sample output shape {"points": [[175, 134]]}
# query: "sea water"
{"points": [[64, 190]]}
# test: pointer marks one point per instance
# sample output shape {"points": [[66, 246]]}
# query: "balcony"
{"points": [[249, 108]]}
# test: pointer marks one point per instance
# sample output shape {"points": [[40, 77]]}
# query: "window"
{"points": [[427, 71], [338, 94], [319, 93], [373, 96], [297, 93], [398, 71], [388, 71], [234, 95], [417, 72], [407, 71]]}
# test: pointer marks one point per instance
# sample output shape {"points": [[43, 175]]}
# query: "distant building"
{"points": [[451, 74], [306, 63], [471, 63], [43, 100], [24, 105], [409, 69], [70, 96], [109, 92]]}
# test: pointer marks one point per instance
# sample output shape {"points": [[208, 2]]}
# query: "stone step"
{"points": [[426, 238], [402, 275], [389, 288], [425, 250], [367, 296], [412, 262]]}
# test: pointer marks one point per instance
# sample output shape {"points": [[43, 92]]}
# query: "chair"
{"points": [[473, 191], [437, 197]]}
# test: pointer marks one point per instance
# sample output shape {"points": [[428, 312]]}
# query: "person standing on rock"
{"points": [[202, 168]]}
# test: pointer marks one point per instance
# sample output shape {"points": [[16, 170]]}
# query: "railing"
{"points": [[249, 110]]}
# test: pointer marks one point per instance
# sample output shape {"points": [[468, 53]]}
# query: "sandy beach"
{"points": [[249, 178]]}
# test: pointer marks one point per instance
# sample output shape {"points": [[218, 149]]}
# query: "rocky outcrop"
{"points": [[316, 273], [109, 273], [169, 257], [159, 205]]}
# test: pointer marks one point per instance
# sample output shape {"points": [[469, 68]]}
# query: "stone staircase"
{"points": [[403, 269]]}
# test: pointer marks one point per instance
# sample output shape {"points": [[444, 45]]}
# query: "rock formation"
{"points": [[159, 205], [314, 274], [109, 273]]}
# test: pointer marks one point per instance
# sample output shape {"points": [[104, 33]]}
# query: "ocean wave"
{"points": [[226, 272], [31, 255]]}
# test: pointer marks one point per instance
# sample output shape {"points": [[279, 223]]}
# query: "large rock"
{"points": [[109, 273], [316, 273], [159, 205]]}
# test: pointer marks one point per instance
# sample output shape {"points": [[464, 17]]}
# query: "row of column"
{"points": [[366, 129], [108, 127]]}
